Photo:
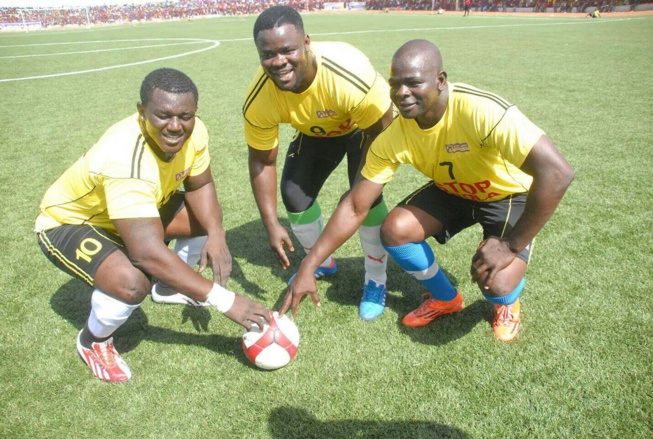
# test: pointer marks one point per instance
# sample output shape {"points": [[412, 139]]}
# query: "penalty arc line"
{"points": [[80, 72], [99, 50]]}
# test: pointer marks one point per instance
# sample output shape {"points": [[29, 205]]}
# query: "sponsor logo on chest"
{"points": [[457, 147], [323, 114], [181, 175]]}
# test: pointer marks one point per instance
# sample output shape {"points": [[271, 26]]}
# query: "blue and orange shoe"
{"points": [[373, 301], [431, 309], [321, 271]]}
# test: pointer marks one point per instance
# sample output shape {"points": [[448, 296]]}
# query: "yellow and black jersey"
{"points": [[121, 177], [347, 93], [473, 152]]}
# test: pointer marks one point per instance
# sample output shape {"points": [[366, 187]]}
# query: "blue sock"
{"points": [[418, 260], [510, 298]]}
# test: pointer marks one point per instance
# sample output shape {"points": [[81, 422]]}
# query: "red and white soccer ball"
{"points": [[275, 345]]}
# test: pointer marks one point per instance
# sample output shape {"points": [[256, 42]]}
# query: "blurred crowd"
{"points": [[185, 9]]}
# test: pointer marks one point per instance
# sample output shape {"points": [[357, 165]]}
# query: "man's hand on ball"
{"points": [[248, 313]]}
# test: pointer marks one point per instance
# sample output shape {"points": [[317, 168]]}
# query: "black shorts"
{"points": [[310, 161], [497, 217], [79, 250]]}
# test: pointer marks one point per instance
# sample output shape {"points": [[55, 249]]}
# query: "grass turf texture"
{"points": [[581, 367]]}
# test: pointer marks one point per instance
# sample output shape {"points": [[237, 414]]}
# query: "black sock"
{"points": [[86, 338]]}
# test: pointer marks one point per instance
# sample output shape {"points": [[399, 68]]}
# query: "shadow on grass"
{"points": [[250, 242], [448, 328], [73, 302], [290, 422]]}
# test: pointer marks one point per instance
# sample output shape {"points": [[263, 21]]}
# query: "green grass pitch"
{"points": [[581, 367]]}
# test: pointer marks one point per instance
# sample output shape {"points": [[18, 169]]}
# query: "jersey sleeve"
{"points": [[260, 113], [380, 162], [201, 144], [374, 105], [262, 138], [130, 198], [514, 136]]}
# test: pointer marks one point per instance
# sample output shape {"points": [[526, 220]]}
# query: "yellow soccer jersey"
{"points": [[347, 93], [121, 177], [473, 152]]}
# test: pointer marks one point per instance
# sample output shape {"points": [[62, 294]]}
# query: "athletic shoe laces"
{"points": [[373, 294], [107, 354], [504, 315], [426, 305]]}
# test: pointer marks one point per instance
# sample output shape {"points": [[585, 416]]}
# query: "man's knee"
{"points": [[127, 283], [503, 285], [394, 230]]}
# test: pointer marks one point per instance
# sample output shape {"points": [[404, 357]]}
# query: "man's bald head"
{"points": [[418, 85], [420, 54]]}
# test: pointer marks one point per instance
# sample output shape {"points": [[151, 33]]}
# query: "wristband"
{"points": [[221, 298]]}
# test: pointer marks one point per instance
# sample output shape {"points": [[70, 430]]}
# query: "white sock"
{"points": [[107, 314], [376, 258], [307, 235], [190, 249]]}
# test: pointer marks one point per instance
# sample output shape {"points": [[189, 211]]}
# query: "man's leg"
{"points": [[190, 239], [504, 295], [97, 257], [309, 162], [498, 218], [375, 256], [404, 234], [376, 263], [426, 212]]}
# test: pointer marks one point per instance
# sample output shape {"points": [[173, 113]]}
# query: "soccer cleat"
{"points": [[431, 309], [104, 361], [507, 321], [321, 271], [373, 301], [164, 294]]}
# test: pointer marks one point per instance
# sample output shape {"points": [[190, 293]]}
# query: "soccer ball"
{"points": [[275, 345]]}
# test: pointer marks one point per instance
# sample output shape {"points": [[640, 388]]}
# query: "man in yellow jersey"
{"points": [[337, 102], [488, 164], [106, 220]]}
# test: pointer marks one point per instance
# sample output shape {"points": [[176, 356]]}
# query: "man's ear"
{"points": [[442, 80]]}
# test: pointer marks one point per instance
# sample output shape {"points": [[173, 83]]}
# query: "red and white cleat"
{"points": [[104, 361]]}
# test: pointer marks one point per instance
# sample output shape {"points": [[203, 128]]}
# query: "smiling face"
{"points": [[168, 120], [418, 84], [285, 56]]}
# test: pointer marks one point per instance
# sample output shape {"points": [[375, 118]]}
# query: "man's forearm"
{"points": [[163, 264], [264, 186], [542, 201]]}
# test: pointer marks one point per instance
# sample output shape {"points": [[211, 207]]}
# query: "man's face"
{"points": [[414, 87], [285, 57], [169, 119]]}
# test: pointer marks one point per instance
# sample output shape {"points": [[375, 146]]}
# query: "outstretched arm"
{"points": [[147, 251], [202, 203], [552, 175], [344, 222], [263, 178]]}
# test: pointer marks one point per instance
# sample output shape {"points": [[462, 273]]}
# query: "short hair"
{"points": [[166, 79], [276, 16]]}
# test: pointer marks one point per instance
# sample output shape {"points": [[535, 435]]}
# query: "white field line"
{"points": [[99, 50], [80, 72]]}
